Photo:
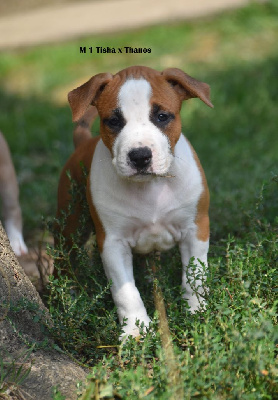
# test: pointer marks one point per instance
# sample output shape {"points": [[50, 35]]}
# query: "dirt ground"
{"points": [[37, 265], [18, 6], [26, 23]]}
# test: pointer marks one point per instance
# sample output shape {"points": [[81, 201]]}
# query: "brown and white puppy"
{"points": [[11, 211], [146, 188]]}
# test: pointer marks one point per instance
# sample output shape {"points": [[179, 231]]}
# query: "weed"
{"points": [[57, 394], [77, 298], [12, 373]]}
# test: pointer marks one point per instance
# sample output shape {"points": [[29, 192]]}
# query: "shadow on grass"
{"points": [[40, 138], [237, 144]]}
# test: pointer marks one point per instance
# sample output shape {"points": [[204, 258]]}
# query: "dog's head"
{"points": [[139, 112]]}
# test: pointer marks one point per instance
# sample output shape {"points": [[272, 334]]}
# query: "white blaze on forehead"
{"points": [[134, 99], [134, 102]]}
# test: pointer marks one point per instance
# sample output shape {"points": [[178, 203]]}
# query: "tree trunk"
{"points": [[22, 317]]}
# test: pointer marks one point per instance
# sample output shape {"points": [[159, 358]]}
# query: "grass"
{"points": [[12, 373], [227, 352]]}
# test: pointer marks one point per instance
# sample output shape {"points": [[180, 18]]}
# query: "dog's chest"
{"points": [[152, 215], [148, 216]]}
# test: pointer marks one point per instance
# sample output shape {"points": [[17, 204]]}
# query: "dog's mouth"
{"points": [[145, 174], [143, 168], [155, 175]]}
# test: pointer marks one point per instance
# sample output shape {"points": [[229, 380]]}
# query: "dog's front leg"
{"points": [[117, 261], [9, 193], [193, 277]]}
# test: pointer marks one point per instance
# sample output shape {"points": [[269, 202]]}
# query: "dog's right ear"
{"points": [[86, 94]]}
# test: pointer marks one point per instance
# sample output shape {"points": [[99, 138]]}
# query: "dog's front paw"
{"points": [[134, 327], [196, 303], [17, 243]]}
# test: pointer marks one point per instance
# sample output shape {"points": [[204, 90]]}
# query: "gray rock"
{"points": [[20, 332]]}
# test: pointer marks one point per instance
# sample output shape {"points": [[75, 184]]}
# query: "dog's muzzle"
{"points": [[140, 158]]}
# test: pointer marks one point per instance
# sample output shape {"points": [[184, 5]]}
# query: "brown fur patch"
{"points": [[108, 101], [166, 97], [202, 216], [100, 233], [83, 155]]}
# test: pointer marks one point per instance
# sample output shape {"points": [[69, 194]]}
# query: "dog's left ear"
{"points": [[186, 86], [86, 94]]}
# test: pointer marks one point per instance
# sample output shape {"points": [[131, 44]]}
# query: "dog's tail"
{"points": [[82, 130]]}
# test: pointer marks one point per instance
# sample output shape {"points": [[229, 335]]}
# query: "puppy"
{"points": [[9, 193], [146, 188]]}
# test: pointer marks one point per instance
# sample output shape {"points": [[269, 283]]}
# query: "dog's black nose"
{"points": [[140, 158]]}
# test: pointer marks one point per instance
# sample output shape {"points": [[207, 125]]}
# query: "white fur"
{"points": [[9, 194], [16, 239], [145, 216], [134, 102]]}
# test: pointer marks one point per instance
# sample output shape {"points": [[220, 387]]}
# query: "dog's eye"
{"points": [[162, 117], [114, 121]]}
